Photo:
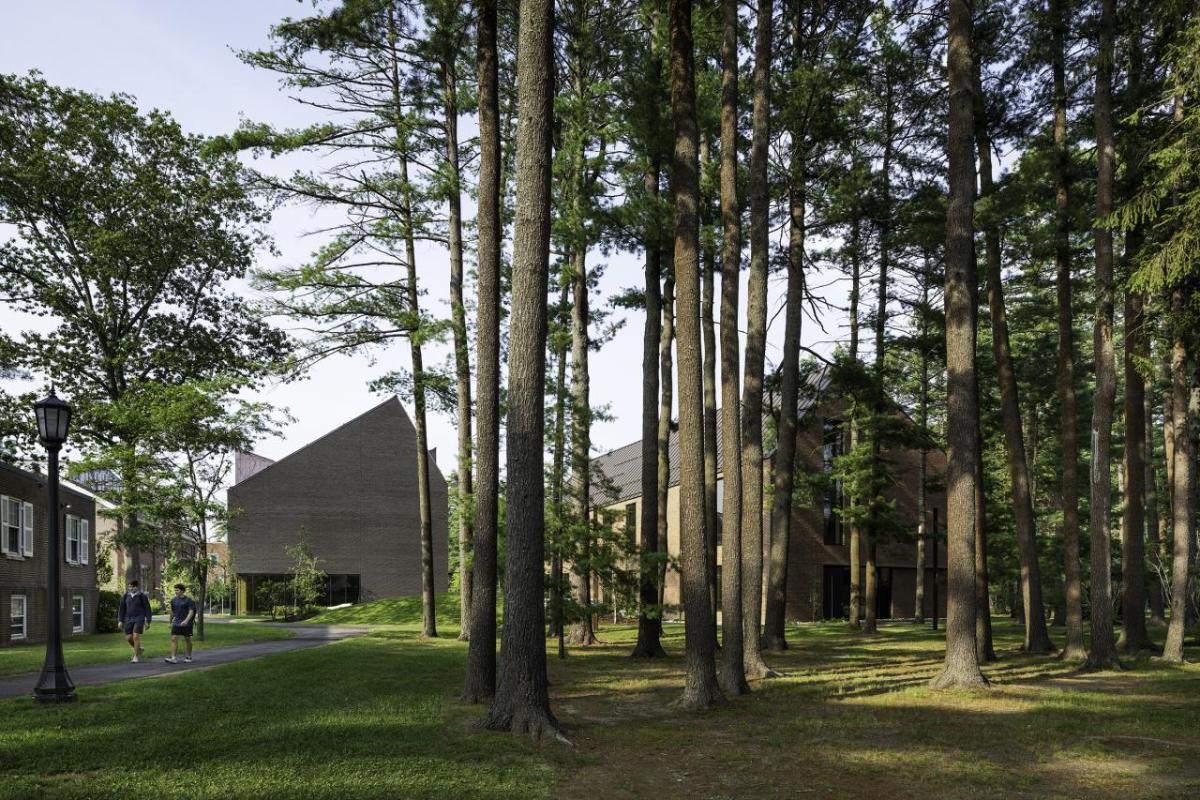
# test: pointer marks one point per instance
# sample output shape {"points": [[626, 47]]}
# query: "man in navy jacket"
{"points": [[134, 617]]}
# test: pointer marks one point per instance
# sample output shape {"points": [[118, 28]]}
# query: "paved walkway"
{"points": [[306, 636]]}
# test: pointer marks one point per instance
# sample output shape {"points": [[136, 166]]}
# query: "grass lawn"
{"points": [[104, 648], [377, 716]]}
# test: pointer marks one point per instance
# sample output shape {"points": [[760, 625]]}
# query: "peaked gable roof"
{"points": [[392, 403]]}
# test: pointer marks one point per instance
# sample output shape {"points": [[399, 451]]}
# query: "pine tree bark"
{"points": [[663, 437], [458, 322], [428, 598], [1069, 444], [1182, 508], [1134, 635], [774, 637], [582, 631], [733, 670], [855, 530], [480, 683], [984, 645], [522, 702], [1037, 637], [923, 465], [756, 335], [1157, 617], [961, 668], [1103, 651], [708, 269], [700, 688], [649, 640], [557, 481]]}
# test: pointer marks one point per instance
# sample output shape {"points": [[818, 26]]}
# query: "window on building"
{"points": [[73, 547], [16, 616], [834, 500], [77, 614], [11, 527]]}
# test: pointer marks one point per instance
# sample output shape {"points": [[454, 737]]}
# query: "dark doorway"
{"points": [[835, 592], [883, 593]]}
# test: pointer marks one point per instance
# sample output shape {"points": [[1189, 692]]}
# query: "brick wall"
{"points": [[354, 492], [27, 576]]}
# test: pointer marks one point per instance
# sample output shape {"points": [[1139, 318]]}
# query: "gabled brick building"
{"points": [[818, 554], [353, 493], [24, 548]]}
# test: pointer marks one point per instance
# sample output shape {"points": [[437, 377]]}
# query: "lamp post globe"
{"points": [[53, 421]]}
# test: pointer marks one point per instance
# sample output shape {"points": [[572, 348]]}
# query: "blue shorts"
{"points": [[134, 626]]}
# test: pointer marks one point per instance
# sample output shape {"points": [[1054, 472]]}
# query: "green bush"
{"points": [[107, 607]]}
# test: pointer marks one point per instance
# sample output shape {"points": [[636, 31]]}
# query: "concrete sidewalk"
{"points": [[306, 636]]}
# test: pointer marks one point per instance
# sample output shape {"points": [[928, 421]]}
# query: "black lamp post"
{"points": [[53, 420]]}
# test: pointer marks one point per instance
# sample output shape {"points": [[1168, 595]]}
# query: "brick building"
{"points": [[353, 493], [818, 554], [24, 548]]}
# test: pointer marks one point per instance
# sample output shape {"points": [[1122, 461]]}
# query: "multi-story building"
{"points": [[353, 495], [818, 585], [24, 550]]}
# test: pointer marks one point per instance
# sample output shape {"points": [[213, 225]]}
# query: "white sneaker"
{"points": [[187, 660], [170, 660], [135, 660]]}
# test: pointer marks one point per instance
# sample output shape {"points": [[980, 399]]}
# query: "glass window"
{"points": [[10, 525], [16, 617], [72, 539], [77, 614]]}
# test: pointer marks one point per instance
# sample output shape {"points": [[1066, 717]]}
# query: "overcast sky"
{"points": [[179, 57]]}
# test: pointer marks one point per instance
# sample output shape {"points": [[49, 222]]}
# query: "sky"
{"points": [[180, 57]]}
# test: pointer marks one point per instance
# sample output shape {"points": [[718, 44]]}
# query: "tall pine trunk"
{"points": [[663, 435], [1103, 652], [774, 637], [558, 479], [733, 669], [855, 529], [756, 335], [923, 465], [708, 269], [480, 682], [1157, 617], [1037, 637], [961, 668], [522, 703], [649, 639], [1075, 650], [700, 688], [582, 631], [1182, 507], [462, 356]]}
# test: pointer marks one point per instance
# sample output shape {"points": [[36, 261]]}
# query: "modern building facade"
{"points": [[352, 494], [24, 550], [818, 585]]}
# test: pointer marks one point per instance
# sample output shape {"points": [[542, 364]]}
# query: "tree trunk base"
{"points": [[732, 685], [465, 636], [1097, 662], [958, 677], [757, 669], [648, 650], [474, 696], [1157, 622], [538, 723], [581, 634], [700, 698], [1045, 648], [1137, 645], [774, 642], [1074, 653]]}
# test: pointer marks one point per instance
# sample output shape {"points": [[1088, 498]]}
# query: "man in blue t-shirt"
{"points": [[183, 614], [133, 615]]}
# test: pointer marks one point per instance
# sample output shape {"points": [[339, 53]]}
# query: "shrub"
{"points": [[107, 607]]}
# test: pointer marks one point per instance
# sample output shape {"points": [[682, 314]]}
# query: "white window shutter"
{"points": [[84, 527], [28, 528]]}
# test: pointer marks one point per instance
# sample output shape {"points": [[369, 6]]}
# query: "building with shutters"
{"points": [[353, 494], [24, 548]]}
